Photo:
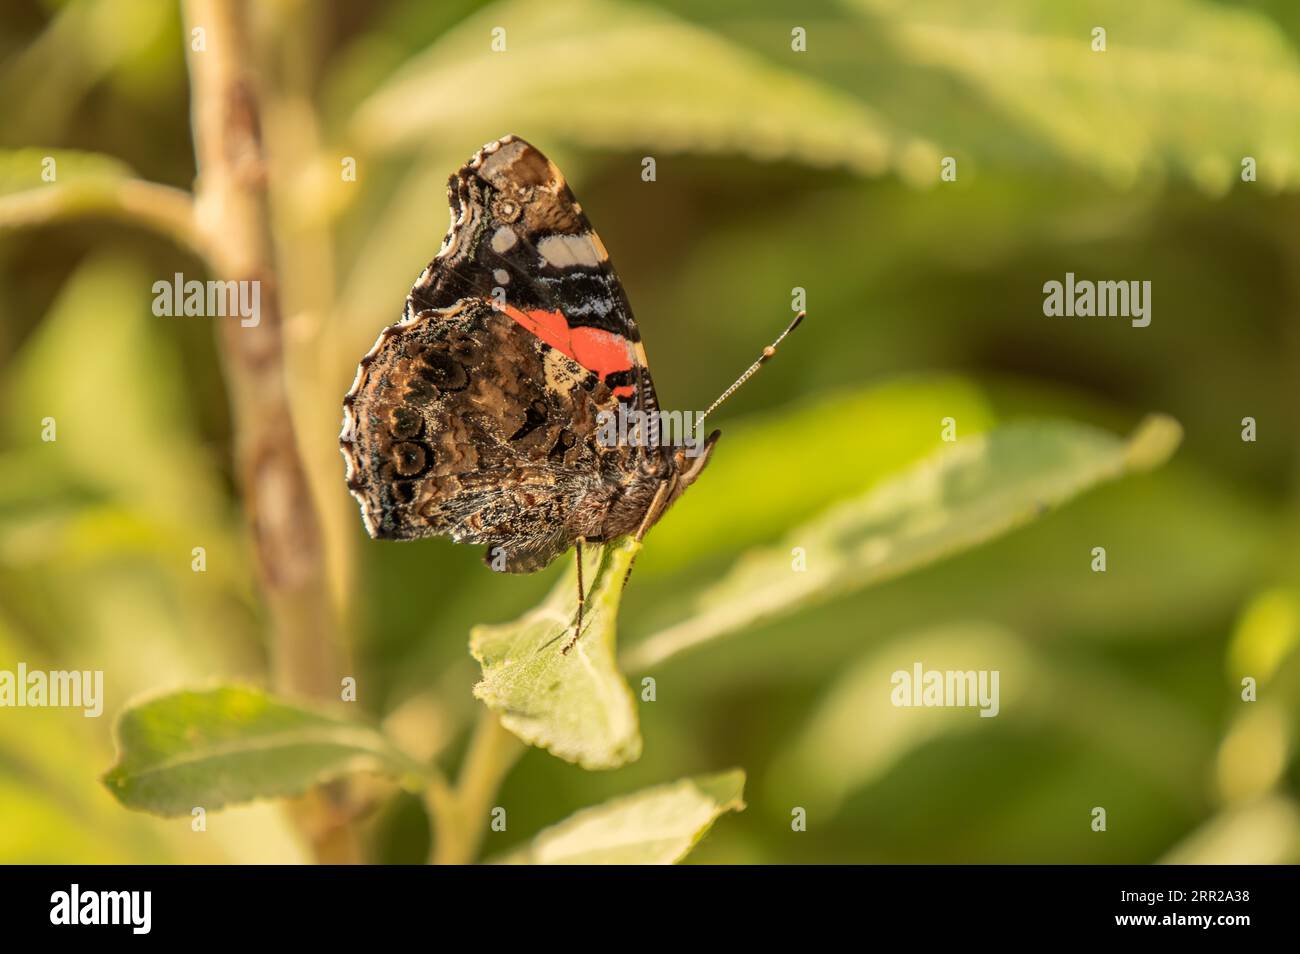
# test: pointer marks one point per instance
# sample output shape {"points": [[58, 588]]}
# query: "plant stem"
{"points": [[161, 208], [234, 221], [460, 815]]}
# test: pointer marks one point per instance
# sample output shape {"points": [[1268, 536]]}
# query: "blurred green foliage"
{"points": [[776, 169]]}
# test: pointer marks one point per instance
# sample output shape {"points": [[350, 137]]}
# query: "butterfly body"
{"points": [[476, 416]]}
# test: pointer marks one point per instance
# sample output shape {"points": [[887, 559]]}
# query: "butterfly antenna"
{"points": [[763, 358]]}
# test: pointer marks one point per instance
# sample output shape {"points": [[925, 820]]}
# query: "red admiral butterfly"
{"points": [[476, 415]]}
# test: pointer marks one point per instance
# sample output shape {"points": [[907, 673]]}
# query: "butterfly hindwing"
{"points": [[465, 425]]}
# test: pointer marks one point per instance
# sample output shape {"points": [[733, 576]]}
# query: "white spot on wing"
{"points": [[504, 239], [562, 250]]}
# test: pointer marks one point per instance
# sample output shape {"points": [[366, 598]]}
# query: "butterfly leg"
{"points": [[582, 601]]}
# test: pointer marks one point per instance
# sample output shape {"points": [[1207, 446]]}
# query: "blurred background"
{"points": [[775, 168]]}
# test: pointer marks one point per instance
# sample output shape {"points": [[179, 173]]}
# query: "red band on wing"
{"points": [[599, 351]]}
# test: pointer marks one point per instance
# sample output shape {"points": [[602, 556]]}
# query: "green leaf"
{"points": [[577, 705], [222, 746], [728, 511], [1185, 86], [1160, 523], [664, 82], [972, 492], [657, 826]]}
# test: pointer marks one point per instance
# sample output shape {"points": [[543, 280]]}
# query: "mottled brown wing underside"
{"points": [[463, 424], [475, 417]]}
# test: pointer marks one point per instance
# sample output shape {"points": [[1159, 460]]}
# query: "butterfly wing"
{"points": [[519, 238], [476, 416]]}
